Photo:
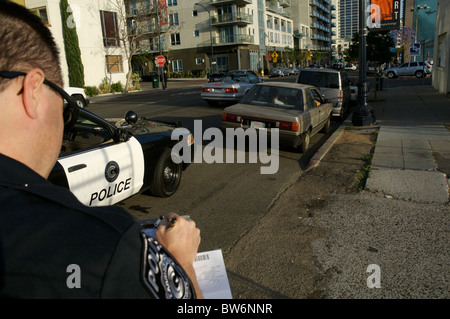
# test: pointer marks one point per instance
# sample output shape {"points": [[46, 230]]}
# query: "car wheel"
{"points": [[167, 176], [326, 129], [419, 74], [391, 75], [79, 100], [306, 138]]}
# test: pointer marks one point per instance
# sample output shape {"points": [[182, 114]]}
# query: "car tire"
{"points": [[167, 176], [79, 100], [418, 74], [391, 75], [305, 140], [327, 127]]}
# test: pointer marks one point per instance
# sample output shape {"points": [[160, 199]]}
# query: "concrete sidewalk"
{"points": [[412, 154]]}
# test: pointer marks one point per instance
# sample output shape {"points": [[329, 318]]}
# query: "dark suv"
{"points": [[333, 84]]}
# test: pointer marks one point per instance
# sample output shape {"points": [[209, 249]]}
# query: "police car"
{"points": [[106, 161]]}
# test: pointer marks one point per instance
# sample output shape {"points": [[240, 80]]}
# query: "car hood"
{"points": [[142, 126], [263, 112]]}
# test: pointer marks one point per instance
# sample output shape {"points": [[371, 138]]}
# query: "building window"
{"points": [[175, 39], [114, 63], [173, 19], [177, 66], [41, 13], [222, 63], [109, 29], [171, 3], [198, 61], [196, 33], [194, 13]]}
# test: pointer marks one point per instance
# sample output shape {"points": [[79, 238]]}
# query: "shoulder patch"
{"points": [[161, 274]]}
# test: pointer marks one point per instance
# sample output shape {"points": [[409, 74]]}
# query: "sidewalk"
{"points": [[412, 154]]}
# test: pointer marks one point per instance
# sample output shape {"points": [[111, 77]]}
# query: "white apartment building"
{"points": [[224, 34], [101, 54]]}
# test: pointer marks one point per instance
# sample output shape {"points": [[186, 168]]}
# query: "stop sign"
{"points": [[160, 60]]}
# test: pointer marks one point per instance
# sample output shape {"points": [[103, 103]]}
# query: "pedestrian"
{"points": [[51, 245]]}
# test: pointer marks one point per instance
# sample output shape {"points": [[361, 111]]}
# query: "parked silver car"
{"points": [[409, 68], [298, 111], [232, 88]]}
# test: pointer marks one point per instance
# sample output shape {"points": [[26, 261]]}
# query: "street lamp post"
{"points": [[425, 6], [363, 114], [210, 35]]}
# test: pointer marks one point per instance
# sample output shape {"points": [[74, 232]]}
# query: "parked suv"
{"points": [[409, 68], [333, 84]]}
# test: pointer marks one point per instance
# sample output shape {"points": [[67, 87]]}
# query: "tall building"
{"points": [[312, 20], [348, 18]]}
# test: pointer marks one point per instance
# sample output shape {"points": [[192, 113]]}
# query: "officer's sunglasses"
{"points": [[70, 109]]}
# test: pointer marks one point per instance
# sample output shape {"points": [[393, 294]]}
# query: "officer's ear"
{"points": [[32, 91]]}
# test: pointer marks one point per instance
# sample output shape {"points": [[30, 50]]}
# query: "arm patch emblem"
{"points": [[161, 273]]}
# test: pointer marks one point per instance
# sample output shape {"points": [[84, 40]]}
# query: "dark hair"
{"points": [[26, 43]]}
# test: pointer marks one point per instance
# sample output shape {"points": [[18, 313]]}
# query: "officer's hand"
{"points": [[181, 240]]}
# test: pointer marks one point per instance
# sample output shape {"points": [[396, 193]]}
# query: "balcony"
{"points": [[231, 18], [239, 3], [229, 40]]}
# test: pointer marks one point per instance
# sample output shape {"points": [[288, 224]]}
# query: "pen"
{"points": [[172, 222]]}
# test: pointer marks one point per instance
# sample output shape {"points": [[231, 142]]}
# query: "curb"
{"points": [[323, 150]]}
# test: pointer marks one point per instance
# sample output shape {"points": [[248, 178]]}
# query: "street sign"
{"points": [[160, 60], [274, 56], [414, 49]]}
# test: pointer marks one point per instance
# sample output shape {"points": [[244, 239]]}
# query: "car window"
{"points": [[319, 79], [316, 96], [252, 78], [413, 64], [404, 65], [277, 97], [310, 100], [85, 134]]}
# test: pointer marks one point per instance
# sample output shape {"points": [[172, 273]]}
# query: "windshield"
{"points": [[277, 97], [234, 76], [319, 79]]}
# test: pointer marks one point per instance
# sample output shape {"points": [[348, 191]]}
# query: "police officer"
{"points": [[51, 245]]}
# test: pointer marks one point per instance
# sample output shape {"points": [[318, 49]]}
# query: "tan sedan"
{"points": [[298, 111]]}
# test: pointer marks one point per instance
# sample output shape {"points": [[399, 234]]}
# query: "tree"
{"points": [[72, 47], [379, 44], [142, 23]]}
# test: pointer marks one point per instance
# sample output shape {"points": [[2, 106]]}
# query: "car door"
{"points": [[100, 170], [313, 109], [412, 68], [318, 103], [403, 69]]}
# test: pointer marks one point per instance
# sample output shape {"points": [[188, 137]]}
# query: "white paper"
{"points": [[212, 275]]}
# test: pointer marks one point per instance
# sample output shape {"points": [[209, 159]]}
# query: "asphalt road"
{"points": [[224, 199]]}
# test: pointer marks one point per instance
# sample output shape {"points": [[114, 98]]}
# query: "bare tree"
{"points": [[142, 26]]}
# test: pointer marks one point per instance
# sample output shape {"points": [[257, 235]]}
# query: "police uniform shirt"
{"points": [[52, 246]]}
